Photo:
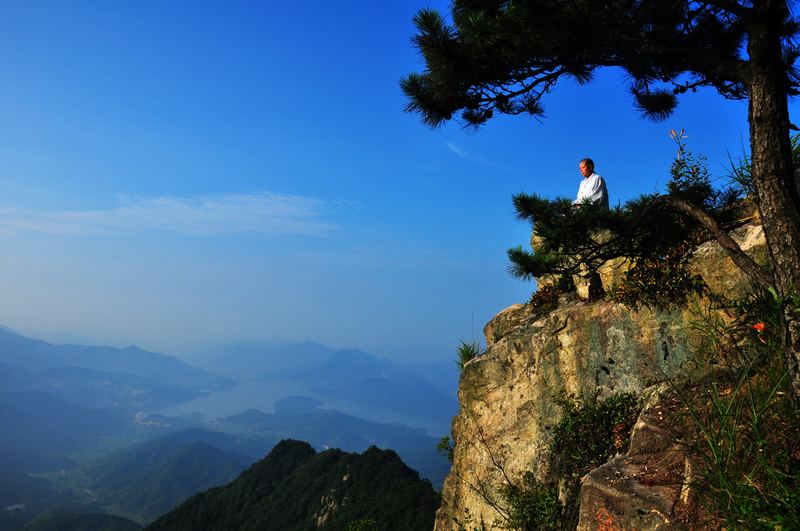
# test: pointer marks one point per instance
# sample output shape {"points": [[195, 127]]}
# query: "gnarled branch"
{"points": [[731, 248]]}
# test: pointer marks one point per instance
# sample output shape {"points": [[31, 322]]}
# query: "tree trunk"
{"points": [[777, 191]]}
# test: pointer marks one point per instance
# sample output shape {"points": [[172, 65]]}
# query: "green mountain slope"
{"points": [[331, 429], [149, 479], [295, 488], [23, 497], [42, 422]]}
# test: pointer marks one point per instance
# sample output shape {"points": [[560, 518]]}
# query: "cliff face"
{"points": [[508, 395]]}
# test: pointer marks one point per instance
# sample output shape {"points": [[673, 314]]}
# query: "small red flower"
{"points": [[759, 327]]}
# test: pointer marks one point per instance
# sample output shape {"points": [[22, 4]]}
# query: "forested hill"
{"points": [[296, 488]]}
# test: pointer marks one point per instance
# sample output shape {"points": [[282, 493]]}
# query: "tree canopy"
{"points": [[504, 56]]}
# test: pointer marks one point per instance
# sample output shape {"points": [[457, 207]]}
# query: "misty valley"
{"points": [[127, 435]]}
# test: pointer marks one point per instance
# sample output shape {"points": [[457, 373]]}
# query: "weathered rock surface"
{"points": [[718, 270], [582, 349], [503, 322], [507, 394], [647, 488]]}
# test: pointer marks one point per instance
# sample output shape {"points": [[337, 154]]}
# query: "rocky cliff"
{"points": [[509, 401]]}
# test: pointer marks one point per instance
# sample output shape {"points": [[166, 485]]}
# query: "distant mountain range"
{"points": [[295, 488], [362, 378], [350, 375], [61, 388], [257, 360], [78, 437], [245, 361], [35, 355], [332, 429]]}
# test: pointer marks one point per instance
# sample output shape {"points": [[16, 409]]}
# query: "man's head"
{"points": [[586, 167]]}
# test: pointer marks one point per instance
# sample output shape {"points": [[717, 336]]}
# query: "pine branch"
{"points": [[732, 7], [731, 248]]}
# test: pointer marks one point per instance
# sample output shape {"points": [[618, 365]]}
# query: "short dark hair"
{"points": [[589, 162]]}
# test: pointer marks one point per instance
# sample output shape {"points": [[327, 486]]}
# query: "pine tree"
{"points": [[504, 56]]}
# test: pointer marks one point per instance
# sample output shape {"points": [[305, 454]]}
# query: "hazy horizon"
{"points": [[193, 352]]}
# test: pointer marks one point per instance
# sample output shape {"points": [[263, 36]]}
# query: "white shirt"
{"points": [[593, 189]]}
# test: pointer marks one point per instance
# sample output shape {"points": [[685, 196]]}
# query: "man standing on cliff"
{"points": [[593, 191], [593, 188]]}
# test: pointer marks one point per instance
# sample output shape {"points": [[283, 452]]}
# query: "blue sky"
{"points": [[179, 174]]}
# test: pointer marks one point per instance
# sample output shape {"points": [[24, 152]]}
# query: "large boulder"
{"points": [[716, 268], [649, 487], [508, 395], [509, 398]]}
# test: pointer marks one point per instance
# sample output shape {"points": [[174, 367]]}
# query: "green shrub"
{"points": [[740, 174], [745, 332], [365, 524], [689, 175], [659, 282], [532, 505], [748, 451], [469, 523], [588, 434], [467, 351], [544, 300], [748, 442], [445, 447]]}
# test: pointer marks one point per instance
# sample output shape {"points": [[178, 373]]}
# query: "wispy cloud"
{"points": [[466, 155], [207, 215]]}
